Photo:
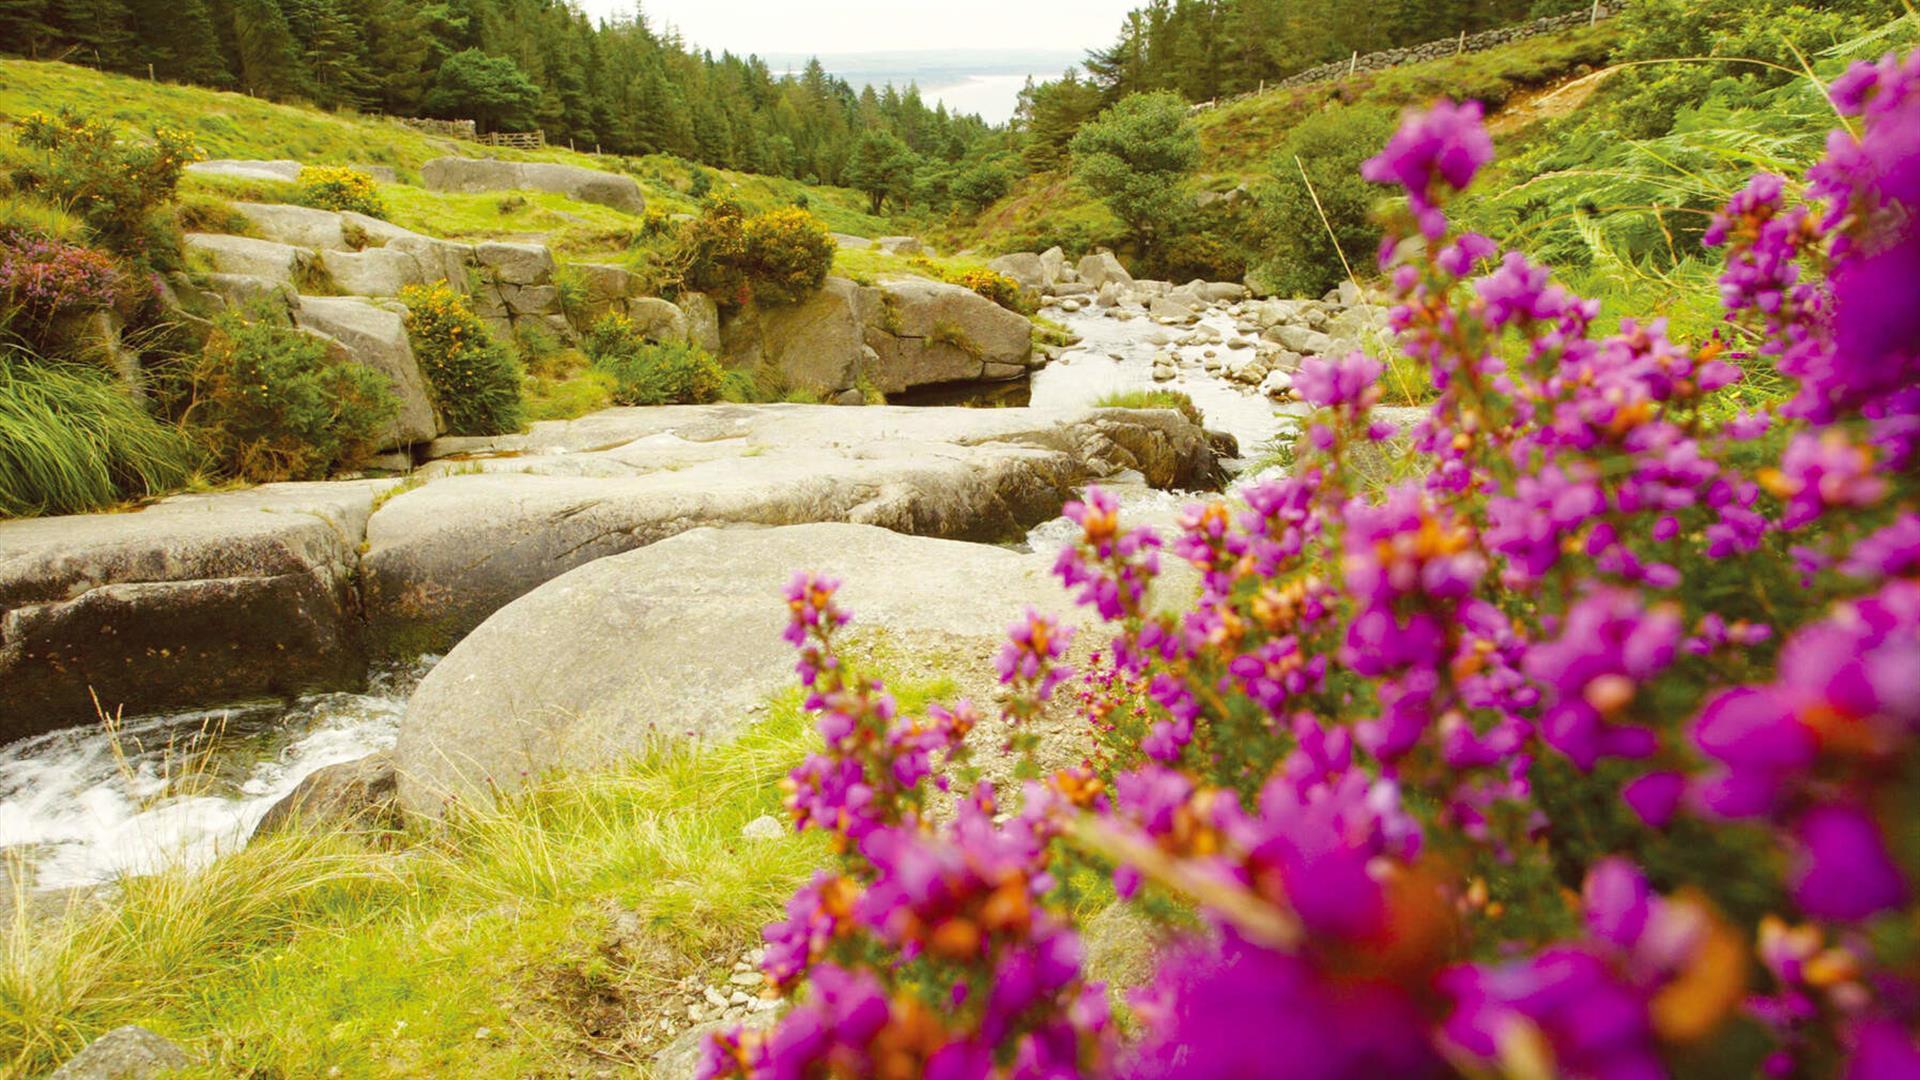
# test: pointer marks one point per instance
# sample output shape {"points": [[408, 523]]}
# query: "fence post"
{"points": [[1463, 44], [1595, 21], [1354, 64]]}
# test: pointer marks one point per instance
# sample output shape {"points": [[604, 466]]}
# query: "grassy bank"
{"points": [[549, 937]]}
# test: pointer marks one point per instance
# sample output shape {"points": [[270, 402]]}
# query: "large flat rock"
{"points": [[197, 600], [442, 558], [473, 175], [681, 640]]}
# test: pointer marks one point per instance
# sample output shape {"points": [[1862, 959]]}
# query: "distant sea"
{"points": [[982, 81]]}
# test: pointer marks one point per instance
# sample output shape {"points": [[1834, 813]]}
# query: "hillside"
{"points": [[1239, 139], [233, 125]]}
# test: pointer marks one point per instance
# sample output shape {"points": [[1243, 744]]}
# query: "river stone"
{"points": [[281, 264], [282, 170], [934, 332], [443, 557], [196, 600], [125, 1053], [377, 338], [1101, 267], [300, 226], [1026, 268], [473, 175], [346, 795], [1304, 341], [1053, 264], [681, 640]]}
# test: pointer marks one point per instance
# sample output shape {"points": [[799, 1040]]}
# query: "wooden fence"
{"points": [[468, 130], [518, 140]]}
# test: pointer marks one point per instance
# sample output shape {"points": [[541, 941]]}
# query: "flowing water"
{"points": [[88, 805]]}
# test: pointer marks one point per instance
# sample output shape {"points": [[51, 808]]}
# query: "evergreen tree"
{"points": [[25, 27], [268, 57], [490, 90], [1134, 156]]}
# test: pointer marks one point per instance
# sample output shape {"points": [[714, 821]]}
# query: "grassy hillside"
{"points": [[1238, 140], [229, 125]]}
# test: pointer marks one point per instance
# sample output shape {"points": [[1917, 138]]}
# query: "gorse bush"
{"points": [[337, 188], [271, 403], [788, 255], [477, 382], [1301, 256], [653, 373], [73, 440], [780, 257], [112, 185], [993, 285], [1591, 753]]}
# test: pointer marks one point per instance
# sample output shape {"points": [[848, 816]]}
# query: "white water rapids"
{"points": [[83, 806]]}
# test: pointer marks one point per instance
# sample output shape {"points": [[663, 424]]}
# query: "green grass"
{"points": [[228, 125], [72, 440], [1151, 399], [1238, 140], [589, 896], [867, 265]]}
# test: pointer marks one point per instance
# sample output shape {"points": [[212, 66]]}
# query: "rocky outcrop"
{"points": [[280, 264], [125, 1053], [898, 335], [1101, 267], [282, 170], [681, 640], [472, 175], [377, 337], [197, 600], [441, 558]]}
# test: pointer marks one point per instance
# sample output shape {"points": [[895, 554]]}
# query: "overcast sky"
{"points": [[841, 26]]}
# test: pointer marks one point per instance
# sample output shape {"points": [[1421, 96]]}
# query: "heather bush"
{"points": [[326, 187], [111, 184], [477, 382], [1590, 753], [271, 403], [653, 373], [44, 282]]}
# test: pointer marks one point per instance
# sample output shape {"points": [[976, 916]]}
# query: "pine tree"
{"points": [[269, 57], [25, 27]]}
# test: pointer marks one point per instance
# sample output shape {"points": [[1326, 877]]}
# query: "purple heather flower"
{"points": [[1330, 383], [1844, 872], [1446, 145]]}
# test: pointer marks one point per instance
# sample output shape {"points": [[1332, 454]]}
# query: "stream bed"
{"points": [[88, 805]]}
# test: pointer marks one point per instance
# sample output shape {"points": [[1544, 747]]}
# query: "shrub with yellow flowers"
{"points": [[112, 184], [327, 187], [476, 381], [269, 403]]}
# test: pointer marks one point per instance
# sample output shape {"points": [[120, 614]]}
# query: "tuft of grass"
{"points": [[1152, 399], [496, 944], [73, 440]]}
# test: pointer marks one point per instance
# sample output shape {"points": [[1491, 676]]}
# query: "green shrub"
{"points": [[779, 257], [649, 373], [476, 381], [993, 285], [789, 253], [114, 185], [73, 440], [326, 187], [271, 403], [1300, 257]]}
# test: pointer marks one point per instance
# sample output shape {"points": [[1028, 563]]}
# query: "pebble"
{"points": [[749, 978], [739, 997], [715, 998]]}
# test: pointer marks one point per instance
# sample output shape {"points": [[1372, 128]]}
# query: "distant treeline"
{"points": [[507, 64]]}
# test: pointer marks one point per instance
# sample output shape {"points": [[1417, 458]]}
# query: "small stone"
{"points": [[482, 1034], [764, 827], [739, 997], [749, 978], [715, 998], [695, 1013]]}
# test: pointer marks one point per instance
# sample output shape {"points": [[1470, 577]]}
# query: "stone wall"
{"points": [[1432, 50]]}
